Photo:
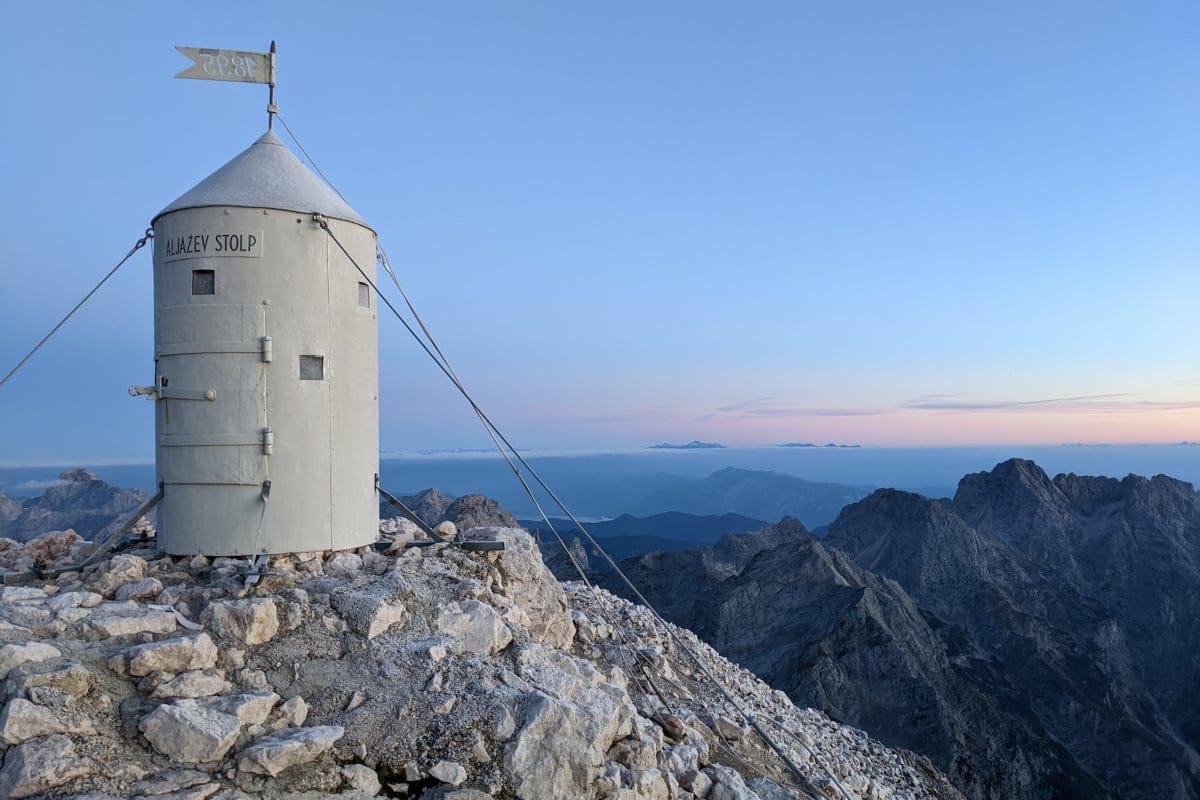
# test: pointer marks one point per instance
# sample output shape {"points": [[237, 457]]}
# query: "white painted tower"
{"points": [[266, 364]]}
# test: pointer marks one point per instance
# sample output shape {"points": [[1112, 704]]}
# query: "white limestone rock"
{"points": [[144, 589], [74, 680], [184, 653], [530, 585], [116, 572], [768, 789], [369, 613], [21, 594], [190, 733], [250, 621], [193, 684], [250, 708], [534, 759], [476, 626], [343, 565], [362, 778], [683, 759], [169, 782], [23, 720], [129, 619], [728, 784], [450, 772], [619, 783], [641, 750], [13, 655], [294, 711], [275, 752], [39, 765], [696, 782]]}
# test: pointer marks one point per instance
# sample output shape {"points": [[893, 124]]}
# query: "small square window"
{"points": [[312, 368], [364, 295], [204, 281]]}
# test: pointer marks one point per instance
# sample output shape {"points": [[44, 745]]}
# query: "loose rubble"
{"points": [[423, 672]]}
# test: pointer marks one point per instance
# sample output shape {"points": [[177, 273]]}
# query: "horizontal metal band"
{"points": [[211, 440], [196, 348]]}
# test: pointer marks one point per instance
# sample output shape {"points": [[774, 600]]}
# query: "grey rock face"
{"points": [[251, 621], [478, 511], [553, 726], [10, 510], [189, 733], [173, 655], [1031, 636], [80, 502], [32, 768], [273, 754], [430, 505], [1065, 588]]}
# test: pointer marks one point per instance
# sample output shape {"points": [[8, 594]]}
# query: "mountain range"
{"points": [[1034, 637], [78, 500], [760, 494]]}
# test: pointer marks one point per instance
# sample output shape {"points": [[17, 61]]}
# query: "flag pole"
{"points": [[272, 109]]}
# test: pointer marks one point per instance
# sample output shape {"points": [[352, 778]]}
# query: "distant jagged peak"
{"points": [[1086, 493], [787, 528], [1015, 474], [1007, 501], [895, 499], [902, 534], [734, 551], [80, 500], [890, 508], [78, 475]]}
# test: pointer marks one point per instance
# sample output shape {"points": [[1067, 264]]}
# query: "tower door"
{"points": [[211, 381]]}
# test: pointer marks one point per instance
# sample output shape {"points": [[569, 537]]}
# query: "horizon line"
{"points": [[480, 453]]}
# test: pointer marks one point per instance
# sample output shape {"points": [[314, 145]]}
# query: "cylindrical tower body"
{"points": [[266, 364]]}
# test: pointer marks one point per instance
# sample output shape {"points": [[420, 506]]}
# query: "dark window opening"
{"points": [[204, 281], [312, 368], [364, 295]]}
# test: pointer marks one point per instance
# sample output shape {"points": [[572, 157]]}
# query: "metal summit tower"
{"points": [[266, 363]]}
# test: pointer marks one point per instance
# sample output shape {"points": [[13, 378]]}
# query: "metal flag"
{"points": [[228, 65]]}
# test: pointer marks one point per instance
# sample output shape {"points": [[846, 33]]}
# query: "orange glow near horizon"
{"points": [[915, 428]]}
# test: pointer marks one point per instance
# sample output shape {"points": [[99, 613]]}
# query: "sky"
{"points": [[918, 224]]}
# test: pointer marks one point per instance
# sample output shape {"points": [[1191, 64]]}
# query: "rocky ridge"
{"points": [[468, 511], [79, 501], [424, 672], [1034, 636]]}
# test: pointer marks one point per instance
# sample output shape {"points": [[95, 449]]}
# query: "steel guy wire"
{"points": [[729, 697], [496, 434], [493, 432], [137, 246]]}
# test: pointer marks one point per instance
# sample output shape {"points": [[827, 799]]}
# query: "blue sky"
{"points": [[892, 224]]}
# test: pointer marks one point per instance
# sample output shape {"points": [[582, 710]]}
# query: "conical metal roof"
{"points": [[266, 175]]}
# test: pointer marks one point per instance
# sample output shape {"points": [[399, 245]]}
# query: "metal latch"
{"points": [[165, 393], [268, 441], [264, 347]]}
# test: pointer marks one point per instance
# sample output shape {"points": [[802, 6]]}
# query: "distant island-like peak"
{"points": [[692, 445], [810, 444]]}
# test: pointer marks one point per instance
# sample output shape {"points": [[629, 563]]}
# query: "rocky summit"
{"points": [[417, 671], [1035, 637]]}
